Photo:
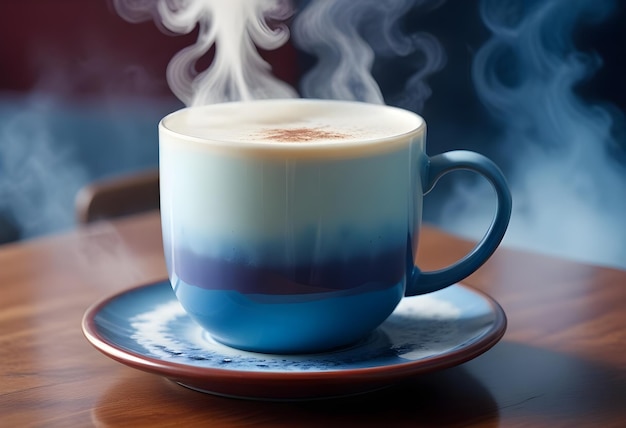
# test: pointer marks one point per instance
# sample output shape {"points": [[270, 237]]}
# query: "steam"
{"points": [[235, 28], [347, 37], [39, 174], [568, 191]]}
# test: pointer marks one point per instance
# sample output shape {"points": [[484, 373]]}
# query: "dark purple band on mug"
{"points": [[381, 271]]}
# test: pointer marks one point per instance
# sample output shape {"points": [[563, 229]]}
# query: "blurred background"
{"points": [[538, 86]]}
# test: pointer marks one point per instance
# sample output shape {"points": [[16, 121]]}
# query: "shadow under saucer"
{"points": [[449, 397]]}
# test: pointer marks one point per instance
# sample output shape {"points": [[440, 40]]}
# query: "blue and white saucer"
{"points": [[146, 328]]}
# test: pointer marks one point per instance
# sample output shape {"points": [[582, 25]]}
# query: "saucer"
{"points": [[146, 328]]}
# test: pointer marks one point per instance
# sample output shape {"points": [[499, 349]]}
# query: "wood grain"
{"points": [[562, 361]]}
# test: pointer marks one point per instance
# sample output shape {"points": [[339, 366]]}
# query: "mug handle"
{"points": [[437, 166]]}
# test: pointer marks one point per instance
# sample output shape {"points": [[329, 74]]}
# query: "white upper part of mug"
{"points": [[292, 122]]}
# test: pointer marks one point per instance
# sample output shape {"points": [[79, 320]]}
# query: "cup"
{"points": [[291, 226]]}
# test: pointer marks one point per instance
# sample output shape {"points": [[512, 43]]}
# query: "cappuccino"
{"points": [[292, 225], [292, 122]]}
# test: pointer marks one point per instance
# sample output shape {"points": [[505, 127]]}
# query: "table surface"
{"points": [[562, 361]]}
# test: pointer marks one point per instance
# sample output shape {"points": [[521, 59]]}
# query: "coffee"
{"points": [[291, 121], [292, 225]]}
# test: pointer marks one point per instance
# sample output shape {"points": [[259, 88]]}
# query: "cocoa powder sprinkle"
{"points": [[301, 135]]}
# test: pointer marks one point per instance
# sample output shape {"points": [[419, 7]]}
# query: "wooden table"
{"points": [[562, 361]]}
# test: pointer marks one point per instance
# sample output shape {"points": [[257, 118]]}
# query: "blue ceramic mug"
{"points": [[291, 226]]}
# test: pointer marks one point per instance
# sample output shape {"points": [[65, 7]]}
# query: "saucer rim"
{"points": [[194, 375]]}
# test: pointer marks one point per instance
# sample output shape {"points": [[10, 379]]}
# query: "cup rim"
{"points": [[377, 144]]}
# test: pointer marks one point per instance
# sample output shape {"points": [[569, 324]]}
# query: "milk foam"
{"points": [[294, 121]]}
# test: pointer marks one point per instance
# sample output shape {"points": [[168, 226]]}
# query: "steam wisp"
{"points": [[39, 172], [235, 28], [346, 37], [568, 191]]}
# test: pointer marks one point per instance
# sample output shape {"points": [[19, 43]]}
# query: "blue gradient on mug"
{"points": [[288, 323], [302, 272], [291, 249], [300, 307]]}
